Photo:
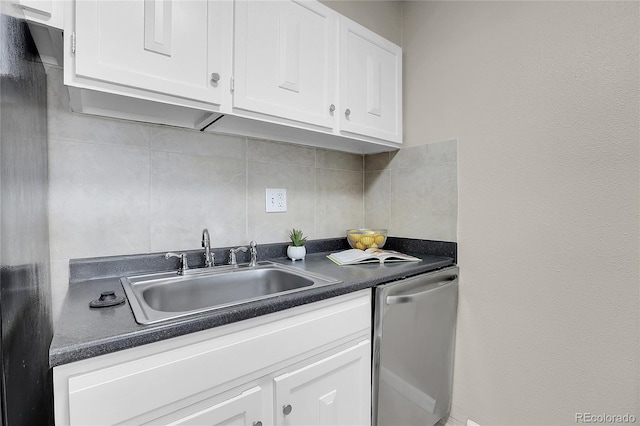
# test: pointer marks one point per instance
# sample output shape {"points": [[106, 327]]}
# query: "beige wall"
{"points": [[380, 16], [544, 100]]}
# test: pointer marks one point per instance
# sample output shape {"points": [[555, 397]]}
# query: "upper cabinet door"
{"points": [[370, 83], [284, 60], [164, 46], [46, 12]]}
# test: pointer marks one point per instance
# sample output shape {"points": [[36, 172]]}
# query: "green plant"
{"points": [[297, 237]]}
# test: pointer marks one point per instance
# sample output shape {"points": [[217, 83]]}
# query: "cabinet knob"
{"points": [[215, 77], [347, 112], [286, 409], [258, 423], [332, 108]]}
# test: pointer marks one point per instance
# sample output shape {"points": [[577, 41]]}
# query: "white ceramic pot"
{"points": [[296, 253]]}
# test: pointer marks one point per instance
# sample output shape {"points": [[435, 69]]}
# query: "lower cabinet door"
{"points": [[242, 410], [333, 391]]}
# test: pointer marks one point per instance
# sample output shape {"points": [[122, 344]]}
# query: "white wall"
{"points": [[544, 100]]}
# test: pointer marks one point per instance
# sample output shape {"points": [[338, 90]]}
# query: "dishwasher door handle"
{"points": [[408, 298]]}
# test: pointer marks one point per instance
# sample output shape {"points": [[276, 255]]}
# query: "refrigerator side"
{"points": [[25, 292]]}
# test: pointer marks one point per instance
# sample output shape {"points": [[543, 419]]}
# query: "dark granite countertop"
{"points": [[82, 332]]}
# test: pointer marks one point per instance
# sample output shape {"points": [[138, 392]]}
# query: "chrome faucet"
{"points": [[206, 243], [232, 254], [254, 253], [184, 265]]}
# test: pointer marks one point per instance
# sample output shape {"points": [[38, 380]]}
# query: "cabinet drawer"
{"points": [[150, 383]]}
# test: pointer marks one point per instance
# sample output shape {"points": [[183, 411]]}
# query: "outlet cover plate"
{"points": [[276, 200]]}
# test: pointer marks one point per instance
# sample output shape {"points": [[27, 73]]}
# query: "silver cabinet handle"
{"points": [[215, 77], [347, 112], [286, 409], [408, 298], [332, 108], [258, 423]]}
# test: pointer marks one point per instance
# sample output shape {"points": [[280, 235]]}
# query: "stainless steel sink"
{"points": [[166, 296]]}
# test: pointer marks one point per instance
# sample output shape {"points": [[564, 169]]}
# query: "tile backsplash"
{"points": [[123, 187], [413, 192]]}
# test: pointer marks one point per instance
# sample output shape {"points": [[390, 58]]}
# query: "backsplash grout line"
{"points": [[98, 143], [389, 206], [246, 188], [149, 194], [364, 189], [315, 197], [168, 151]]}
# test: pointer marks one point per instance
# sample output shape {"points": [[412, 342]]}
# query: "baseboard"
{"points": [[450, 421], [457, 417]]}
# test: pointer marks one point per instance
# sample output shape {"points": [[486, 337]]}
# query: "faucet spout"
{"points": [[206, 243]]}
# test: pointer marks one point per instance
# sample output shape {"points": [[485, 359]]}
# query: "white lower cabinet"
{"points": [[245, 409], [333, 391], [309, 365]]}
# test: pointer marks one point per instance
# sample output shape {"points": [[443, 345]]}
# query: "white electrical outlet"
{"points": [[276, 200]]}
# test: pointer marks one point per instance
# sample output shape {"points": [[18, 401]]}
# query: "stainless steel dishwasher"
{"points": [[413, 343]]}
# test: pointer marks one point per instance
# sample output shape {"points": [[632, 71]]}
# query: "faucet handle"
{"points": [[183, 260], [254, 253], [232, 254]]}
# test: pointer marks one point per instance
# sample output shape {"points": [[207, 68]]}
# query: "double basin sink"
{"points": [[168, 295]]}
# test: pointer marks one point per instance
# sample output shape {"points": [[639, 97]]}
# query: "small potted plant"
{"points": [[296, 250]]}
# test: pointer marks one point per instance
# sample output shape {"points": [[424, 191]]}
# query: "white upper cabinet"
{"points": [[164, 46], [293, 65], [370, 84], [156, 61], [287, 70], [284, 60], [45, 12]]}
